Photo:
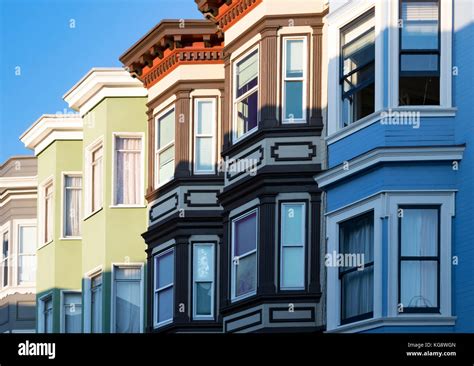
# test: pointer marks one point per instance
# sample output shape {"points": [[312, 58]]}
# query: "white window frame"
{"points": [[62, 317], [140, 266], [41, 307], [213, 100], [158, 151], [87, 183], [236, 100], [87, 298], [213, 283], [18, 224], [303, 79], [6, 230], [157, 324], [64, 174], [42, 220], [233, 259], [140, 135], [303, 235]]}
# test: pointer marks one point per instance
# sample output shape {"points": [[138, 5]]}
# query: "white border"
{"points": [[213, 100], [87, 181], [213, 285], [157, 117]]}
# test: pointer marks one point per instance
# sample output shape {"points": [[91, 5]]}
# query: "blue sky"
{"points": [[53, 43]]}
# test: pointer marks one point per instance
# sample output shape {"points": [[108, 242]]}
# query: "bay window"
{"points": [[128, 170], [294, 79], [72, 205], [419, 260], [292, 246], [72, 312], [203, 281], [164, 148], [127, 299], [204, 132], [244, 255], [26, 254], [419, 81], [5, 260], [164, 288], [357, 69], [246, 81], [356, 239]]}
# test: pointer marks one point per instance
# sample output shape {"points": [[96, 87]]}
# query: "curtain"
{"points": [[73, 205], [128, 179], [27, 249], [127, 307]]}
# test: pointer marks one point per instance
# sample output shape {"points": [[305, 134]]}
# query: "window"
{"points": [[97, 178], [293, 231], [246, 95], [72, 205], [203, 281], [244, 255], [72, 312], [47, 310], [419, 258], [204, 130], [357, 75], [26, 254], [294, 79], [127, 299], [164, 152], [96, 304], [128, 171], [356, 238], [164, 283], [419, 82], [5, 259], [48, 213]]}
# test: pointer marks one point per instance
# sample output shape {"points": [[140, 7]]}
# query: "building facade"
{"points": [[400, 179], [18, 190]]}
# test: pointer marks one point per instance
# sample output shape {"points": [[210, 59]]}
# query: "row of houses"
{"points": [[267, 168]]}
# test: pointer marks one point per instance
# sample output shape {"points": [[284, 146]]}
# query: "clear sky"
{"points": [[46, 46]]}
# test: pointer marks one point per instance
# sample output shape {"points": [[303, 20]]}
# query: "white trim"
{"points": [[27, 194], [41, 301], [17, 225], [87, 181], [65, 174], [41, 211], [62, 314], [86, 297], [157, 151], [155, 290], [140, 135], [213, 283], [137, 265], [6, 229], [213, 136], [394, 154], [18, 182]]}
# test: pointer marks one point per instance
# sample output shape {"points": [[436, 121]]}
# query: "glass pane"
{"points": [[293, 267], [359, 53], [419, 284], [127, 273], [419, 232], [292, 219], [294, 58], [166, 126], [423, 90], [203, 298], [164, 269], [420, 25], [27, 268], [165, 304], [419, 62], [357, 290], [96, 316], [293, 100], [27, 239], [5, 246], [127, 307], [203, 262], [204, 158], [72, 313], [245, 236], [247, 73], [246, 275], [205, 117], [247, 114], [96, 281], [73, 209], [356, 237]]}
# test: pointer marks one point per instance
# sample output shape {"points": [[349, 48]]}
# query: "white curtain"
{"points": [[127, 300], [73, 206], [27, 257], [128, 178]]}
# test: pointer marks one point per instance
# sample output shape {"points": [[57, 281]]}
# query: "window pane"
{"points": [[247, 114], [294, 58], [356, 236], [205, 117], [164, 271], [359, 53], [357, 293], [419, 62], [5, 246], [48, 315], [128, 170], [203, 298], [293, 100], [419, 284], [292, 267], [166, 126], [166, 169], [27, 268], [96, 305], [204, 158], [72, 209], [165, 305], [420, 25], [203, 262], [246, 275], [97, 183], [419, 90], [27, 239], [127, 307], [72, 313], [126, 273], [419, 232], [247, 73], [292, 224], [245, 235]]}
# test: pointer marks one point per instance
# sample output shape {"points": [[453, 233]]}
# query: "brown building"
{"points": [[18, 188]]}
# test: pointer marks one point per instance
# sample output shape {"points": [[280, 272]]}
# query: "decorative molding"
{"points": [[275, 154], [230, 14], [234, 161], [152, 208], [297, 309], [189, 193]]}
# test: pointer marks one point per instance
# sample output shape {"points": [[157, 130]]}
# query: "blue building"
{"points": [[400, 171]]}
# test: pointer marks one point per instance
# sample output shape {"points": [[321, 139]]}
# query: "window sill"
{"points": [[127, 206], [162, 324], [425, 111], [242, 297], [244, 136], [92, 214], [415, 320], [45, 244], [69, 238]]}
